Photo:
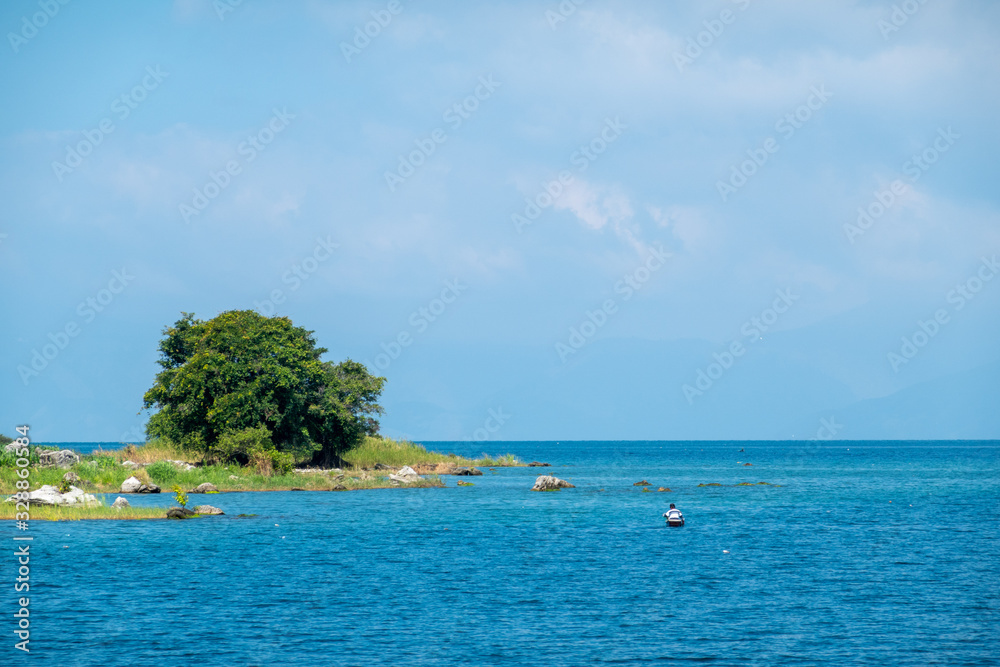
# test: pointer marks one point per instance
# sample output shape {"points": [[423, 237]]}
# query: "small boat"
{"points": [[675, 523]]}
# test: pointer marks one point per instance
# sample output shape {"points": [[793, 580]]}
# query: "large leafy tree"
{"points": [[226, 379]]}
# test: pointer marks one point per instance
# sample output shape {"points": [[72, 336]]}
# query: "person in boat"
{"points": [[674, 516]]}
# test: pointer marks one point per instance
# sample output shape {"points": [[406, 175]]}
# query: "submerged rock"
{"points": [[663, 488], [465, 483], [207, 509], [64, 458], [50, 495], [205, 487], [539, 464], [549, 483], [120, 503], [642, 483]]}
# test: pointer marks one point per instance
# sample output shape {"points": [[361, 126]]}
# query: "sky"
{"points": [[582, 220]]}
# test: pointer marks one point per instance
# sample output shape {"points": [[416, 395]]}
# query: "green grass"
{"points": [[50, 513], [399, 453]]}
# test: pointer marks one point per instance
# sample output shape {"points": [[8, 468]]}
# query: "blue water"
{"points": [[867, 553]]}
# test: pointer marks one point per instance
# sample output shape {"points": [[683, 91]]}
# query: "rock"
{"points": [[233, 477], [183, 465], [64, 458], [340, 487], [406, 475], [663, 488], [207, 509], [50, 495], [131, 485], [539, 464], [382, 466], [205, 487], [748, 464], [10, 447], [130, 464], [549, 483], [179, 513], [119, 503], [465, 483], [642, 483], [71, 478], [467, 471]]}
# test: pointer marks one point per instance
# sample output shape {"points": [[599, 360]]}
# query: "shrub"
{"points": [[162, 472], [180, 496]]}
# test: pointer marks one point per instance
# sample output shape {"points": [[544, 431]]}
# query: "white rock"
{"points": [[548, 483], [130, 464], [49, 495], [406, 475], [131, 485], [120, 503]]}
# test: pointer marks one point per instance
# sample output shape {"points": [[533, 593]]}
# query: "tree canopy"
{"points": [[242, 385]]}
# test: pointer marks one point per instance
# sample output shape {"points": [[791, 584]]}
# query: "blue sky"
{"points": [[628, 220]]}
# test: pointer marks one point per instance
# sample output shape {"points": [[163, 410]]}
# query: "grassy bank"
{"points": [[103, 471], [49, 513]]}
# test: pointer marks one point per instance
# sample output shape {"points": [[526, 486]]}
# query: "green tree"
{"points": [[225, 379]]}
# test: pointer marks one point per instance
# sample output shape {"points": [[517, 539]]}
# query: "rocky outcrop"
{"points": [[539, 464], [205, 487], [466, 471], [642, 483], [179, 513], [207, 509], [63, 458], [406, 475], [549, 483], [50, 495], [663, 488], [11, 447], [119, 503], [134, 485]]}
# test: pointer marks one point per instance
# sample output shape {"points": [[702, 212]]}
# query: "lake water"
{"points": [[867, 553]]}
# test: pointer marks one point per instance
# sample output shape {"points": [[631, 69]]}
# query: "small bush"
{"points": [[162, 472], [180, 496]]}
